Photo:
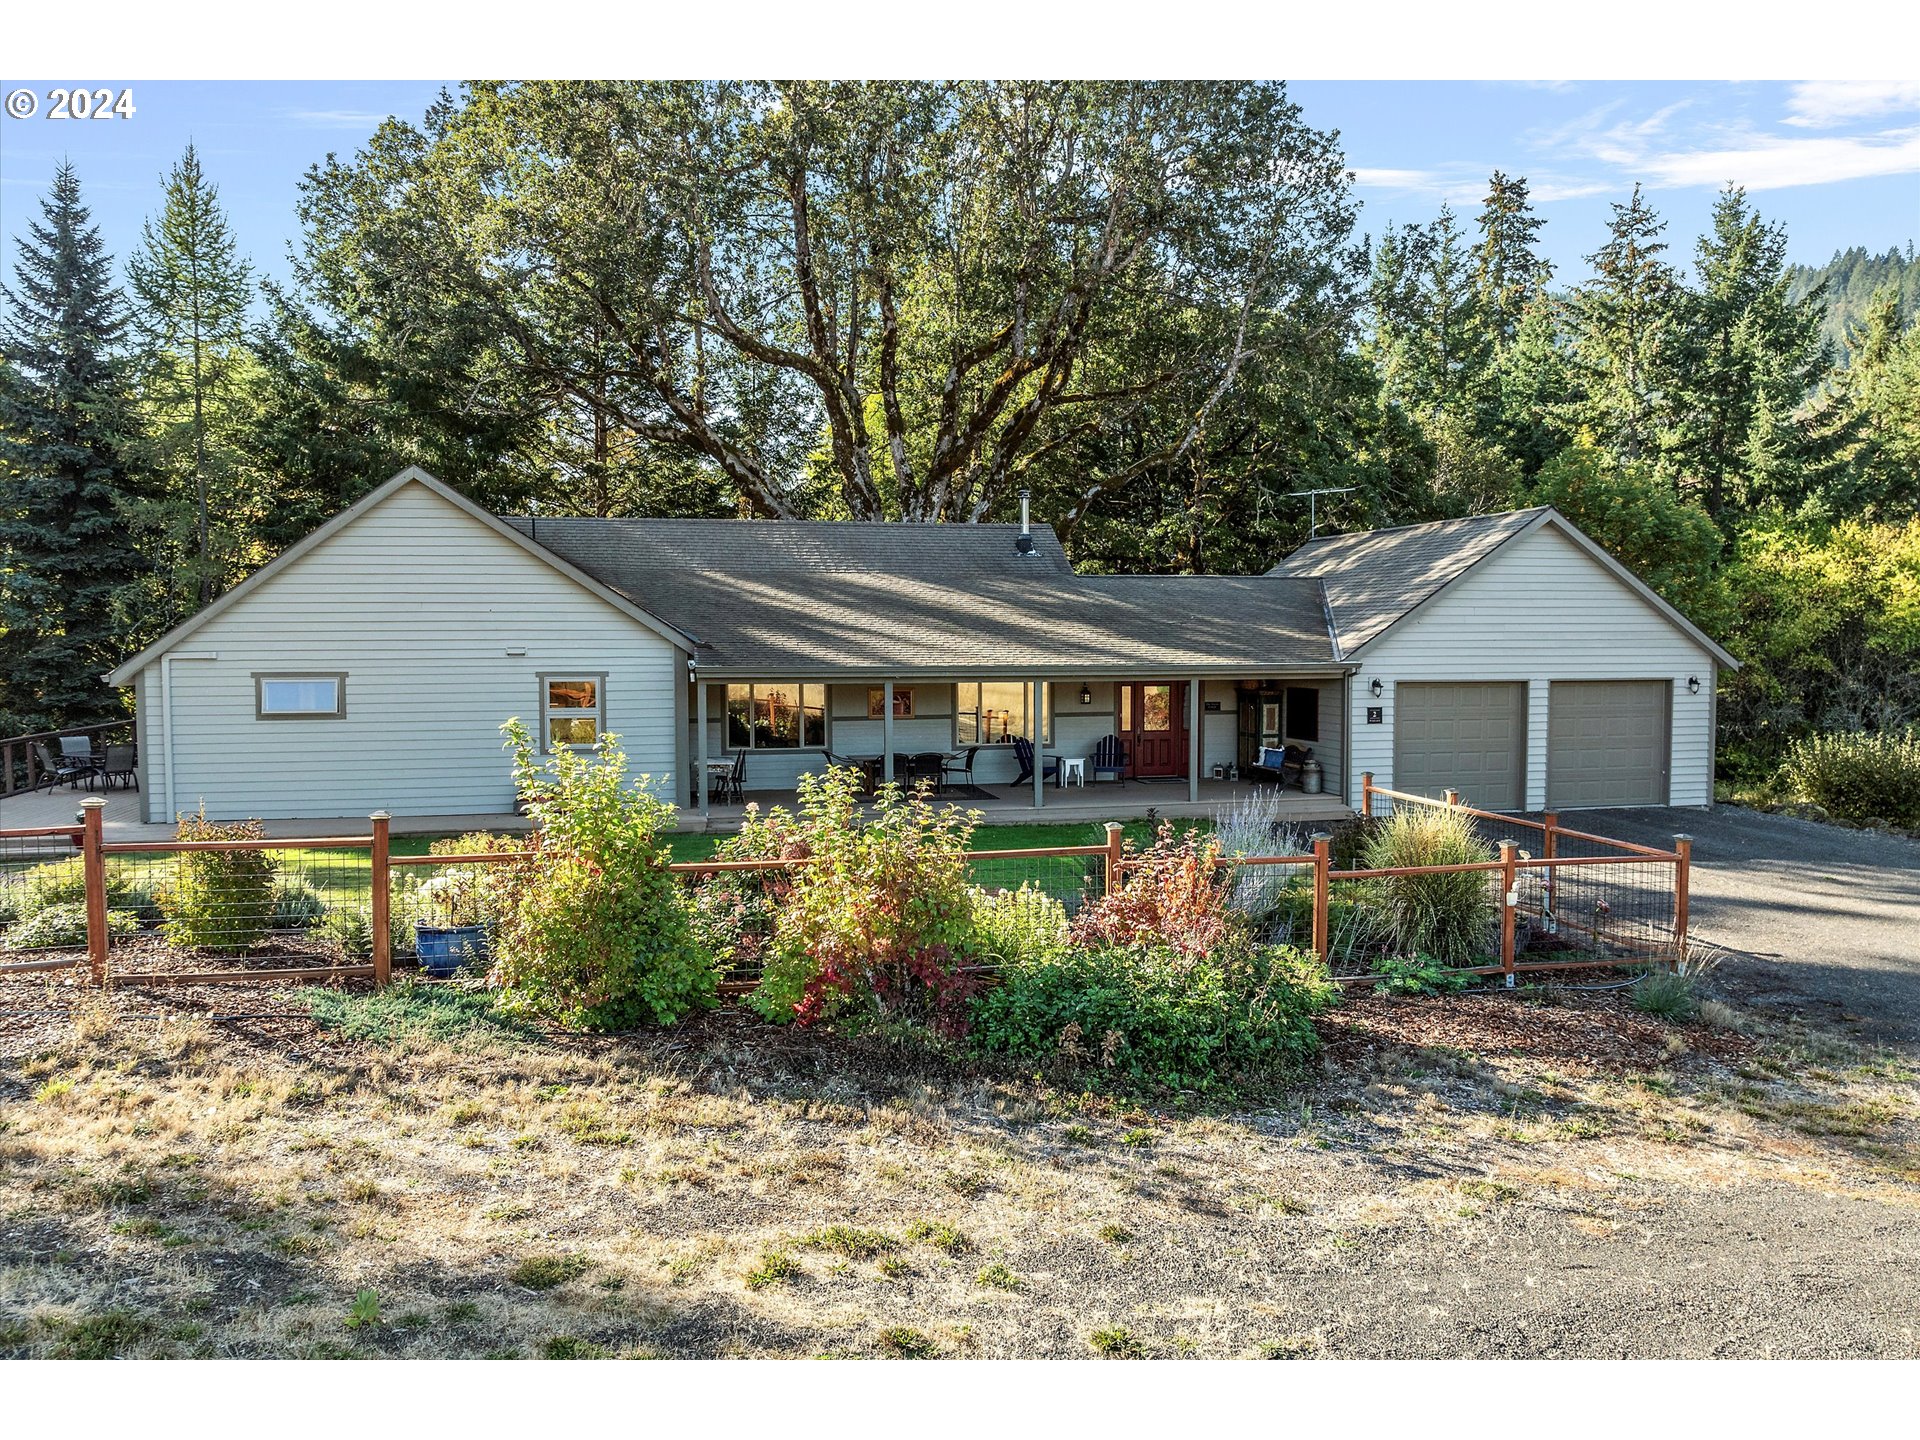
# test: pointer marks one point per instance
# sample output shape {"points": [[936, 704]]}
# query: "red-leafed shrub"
{"points": [[878, 921], [1172, 894]]}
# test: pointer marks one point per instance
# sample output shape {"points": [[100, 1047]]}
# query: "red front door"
{"points": [[1153, 722]]}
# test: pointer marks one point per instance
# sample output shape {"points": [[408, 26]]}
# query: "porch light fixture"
{"points": [[1086, 693], [1375, 688], [1693, 684]]}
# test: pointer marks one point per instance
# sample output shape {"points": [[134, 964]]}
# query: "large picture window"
{"points": [[573, 709], [994, 712], [776, 716], [300, 697]]}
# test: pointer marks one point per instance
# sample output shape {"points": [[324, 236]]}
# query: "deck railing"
{"points": [[20, 767]]}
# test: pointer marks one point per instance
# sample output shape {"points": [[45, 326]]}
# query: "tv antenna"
{"points": [[1313, 505]]}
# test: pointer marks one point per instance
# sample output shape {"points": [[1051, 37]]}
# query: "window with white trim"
{"points": [[300, 697], [573, 710]]}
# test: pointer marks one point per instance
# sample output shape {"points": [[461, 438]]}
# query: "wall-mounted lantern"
{"points": [[1086, 693], [1375, 688], [1693, 684]]}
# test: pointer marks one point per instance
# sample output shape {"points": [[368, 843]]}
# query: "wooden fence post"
{"points": [[1509, 901], [1366, 794], [1682, 876], [382, 900], [1322, 889], [1453, 797], [1115, 852], [93, 869]]}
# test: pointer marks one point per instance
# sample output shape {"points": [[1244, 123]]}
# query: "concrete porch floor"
{"points": [[1074, 804], [1008, 806]]}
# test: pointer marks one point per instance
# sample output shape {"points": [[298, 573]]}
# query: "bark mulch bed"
{"points": [[1578, 1032]]}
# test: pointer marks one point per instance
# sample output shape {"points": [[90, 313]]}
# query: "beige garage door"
{"points": [[1466, 737], [1607, 742]]}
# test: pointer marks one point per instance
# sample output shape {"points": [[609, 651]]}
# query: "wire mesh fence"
{"points": [[237, 908], [254, 906], [42, 898]]}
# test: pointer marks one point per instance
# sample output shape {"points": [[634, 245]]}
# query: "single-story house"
{"points": [[371, 665]]}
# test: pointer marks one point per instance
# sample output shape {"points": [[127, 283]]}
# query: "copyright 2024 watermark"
{"points": [[71, 102]]}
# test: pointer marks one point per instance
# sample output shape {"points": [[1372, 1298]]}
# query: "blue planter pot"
{"points": [[444, 949]]}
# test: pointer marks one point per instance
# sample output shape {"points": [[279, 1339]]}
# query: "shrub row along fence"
{"points": [[196, 911]]}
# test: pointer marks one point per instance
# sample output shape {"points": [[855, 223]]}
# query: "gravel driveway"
{"points": [[1821, 917]]}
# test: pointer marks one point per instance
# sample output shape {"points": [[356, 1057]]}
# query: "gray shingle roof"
{"points": [[796, 600], [639, 546], [1374, 577]]}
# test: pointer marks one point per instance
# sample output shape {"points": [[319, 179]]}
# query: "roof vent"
{"points": [[1024, 545]]}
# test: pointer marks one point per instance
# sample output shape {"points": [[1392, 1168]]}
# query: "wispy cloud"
{"points": [[1771, 162], [1819, 104], [1467, 184], [337, 119]]}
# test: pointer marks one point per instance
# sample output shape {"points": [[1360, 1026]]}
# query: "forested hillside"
{"points": [[1149, 303], [1850, 280]]}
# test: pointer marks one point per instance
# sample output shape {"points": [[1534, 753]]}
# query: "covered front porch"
{"points": [[1093, 804], [1180, 745]]}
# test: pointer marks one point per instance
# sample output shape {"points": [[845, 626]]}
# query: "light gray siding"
{"points": [[1539, 610], [418, 603]]}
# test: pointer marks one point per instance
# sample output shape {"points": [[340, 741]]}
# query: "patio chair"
{"points": [[731, 785], [959, 767], [121, 763], [1023, 752], [1109, 758], [78, 750], [61, 769], [929, 765]]}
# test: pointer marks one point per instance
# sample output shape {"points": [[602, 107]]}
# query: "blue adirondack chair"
{"points": [[1109, 758], [1023, 752]]}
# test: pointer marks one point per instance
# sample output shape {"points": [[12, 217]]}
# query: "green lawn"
{"points": [[344, 876]]}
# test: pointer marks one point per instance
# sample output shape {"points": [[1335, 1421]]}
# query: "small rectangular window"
{"points": [[300, 697], [1303, 713], [572, 709]]}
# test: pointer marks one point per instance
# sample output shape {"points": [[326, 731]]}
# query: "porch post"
{"points": [[700, 742], [886, 729], [1194, 687], [1039, 729]]}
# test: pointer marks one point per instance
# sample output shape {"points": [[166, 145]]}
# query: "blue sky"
{"points": [[1839, 162]]}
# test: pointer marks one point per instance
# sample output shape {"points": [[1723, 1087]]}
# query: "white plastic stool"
{"points": [[1074, 768]]}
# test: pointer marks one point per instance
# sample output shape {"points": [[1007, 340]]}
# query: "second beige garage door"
{"points": [[1465, 737], [1607, 743]]}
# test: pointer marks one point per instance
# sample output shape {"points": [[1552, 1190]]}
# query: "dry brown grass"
{"points": [[177, 1186]]}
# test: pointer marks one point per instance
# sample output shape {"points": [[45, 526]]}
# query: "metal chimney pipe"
{"points": [[1025, 527], [1024, 545]]}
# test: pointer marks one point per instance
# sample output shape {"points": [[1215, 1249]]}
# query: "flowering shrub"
{"points": [[877, 922], [1156, 1016], [1171, 893], [1856, 776], [592, 930], [1013, 927], [218, 900]]}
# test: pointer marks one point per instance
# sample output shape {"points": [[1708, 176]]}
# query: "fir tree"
{"points": [[1625, 322], [65, 556], [1750, 359], [192, 291], [1508, 275]]}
